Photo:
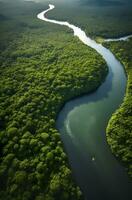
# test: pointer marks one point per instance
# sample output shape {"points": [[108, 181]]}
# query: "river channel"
{"points": [[82, 124]]}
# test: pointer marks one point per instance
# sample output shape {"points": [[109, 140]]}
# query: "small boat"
{"points": [[93, 158]]}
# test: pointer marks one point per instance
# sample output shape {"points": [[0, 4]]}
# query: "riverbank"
{"points": [[40, 71], [102, 40], [119, 130], [103, 106]]}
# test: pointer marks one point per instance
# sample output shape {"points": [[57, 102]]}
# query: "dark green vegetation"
{"points": [[41, 66], [105, 2], [119, 131], [97, 17]]}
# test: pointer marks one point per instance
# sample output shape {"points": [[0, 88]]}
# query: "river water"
{"points": [[82, 123]]}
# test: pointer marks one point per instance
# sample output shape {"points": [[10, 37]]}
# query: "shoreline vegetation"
{"points": [[39, 66], [40, 71], [105, 22], [102, 40], [119, 129]]}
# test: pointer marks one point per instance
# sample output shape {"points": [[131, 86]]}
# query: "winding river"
{"points": [[82, 124]]}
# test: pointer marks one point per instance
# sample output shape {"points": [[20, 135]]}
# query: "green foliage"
{"points": [[42, 66], [96, 19], [20, 177], [119, 130]]}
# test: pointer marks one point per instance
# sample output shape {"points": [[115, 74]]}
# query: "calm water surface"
{"points": [[82, 123]]}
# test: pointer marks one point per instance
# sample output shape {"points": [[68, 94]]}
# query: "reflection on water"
{"points": [[82, 123]]}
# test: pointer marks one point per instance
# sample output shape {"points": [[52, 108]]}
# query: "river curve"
{"points": [[82, 123]]}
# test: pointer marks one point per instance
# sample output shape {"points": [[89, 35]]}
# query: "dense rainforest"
{"points": [[119, 130], [98, 18], [41, 67]]}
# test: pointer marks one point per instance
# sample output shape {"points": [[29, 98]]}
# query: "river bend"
{"points": [[82, 123]]}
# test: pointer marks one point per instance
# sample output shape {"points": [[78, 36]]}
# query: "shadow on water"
{"points": [[87, 98], [82, 123]]}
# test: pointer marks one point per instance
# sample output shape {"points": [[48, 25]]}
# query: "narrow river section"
{"points": [[82, 123]]}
